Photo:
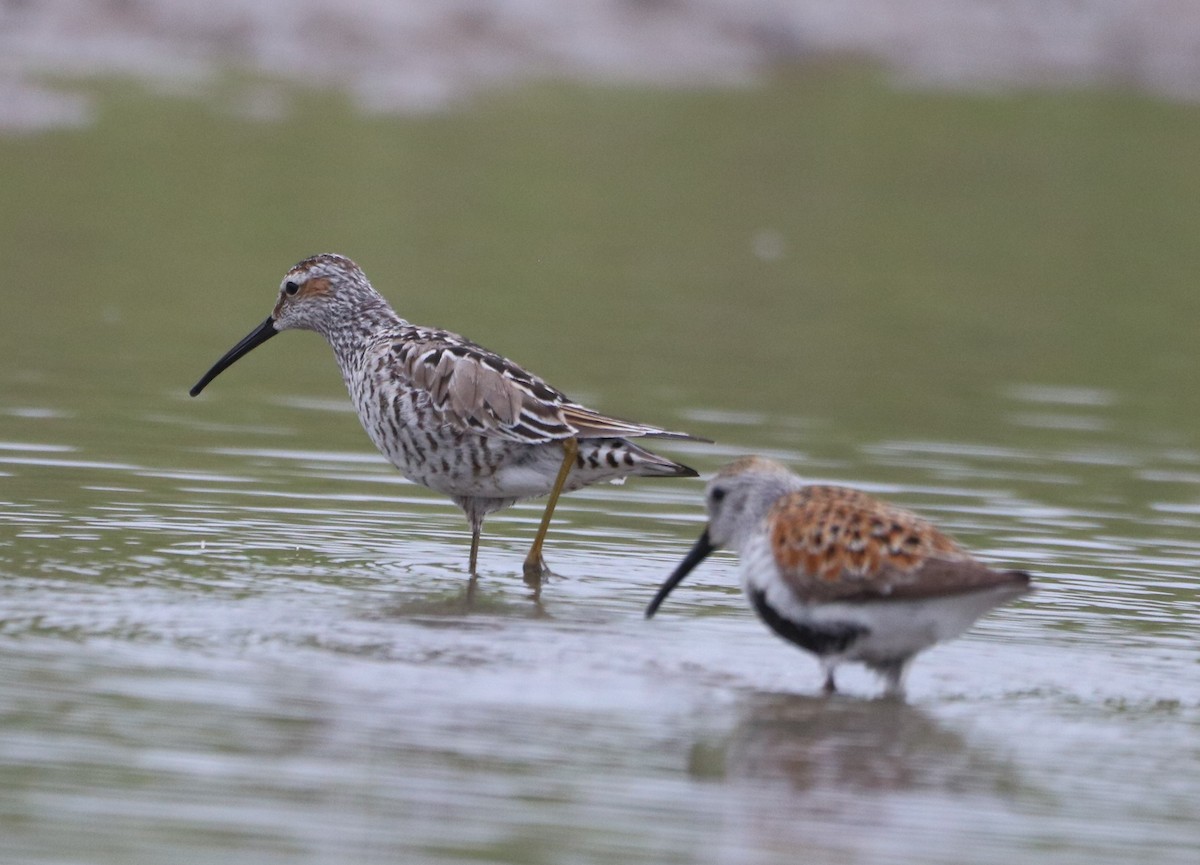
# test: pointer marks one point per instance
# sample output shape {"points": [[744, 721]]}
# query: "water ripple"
{"points": [[262, 647]]}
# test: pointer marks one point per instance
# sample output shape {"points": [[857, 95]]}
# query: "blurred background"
{"points": [[945, 251]]}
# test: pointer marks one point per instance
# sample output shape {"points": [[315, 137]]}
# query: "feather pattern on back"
{"points": [[473, 388], [835, 543]]}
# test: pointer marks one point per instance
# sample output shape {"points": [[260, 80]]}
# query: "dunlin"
{"points": [[450, 414], [840, 573]]}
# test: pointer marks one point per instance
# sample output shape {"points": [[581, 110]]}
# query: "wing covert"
{"points": [[476, 389], [835, 543]]}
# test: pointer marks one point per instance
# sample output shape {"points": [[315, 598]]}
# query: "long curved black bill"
{"points": [[698, 553], [253, 340]]}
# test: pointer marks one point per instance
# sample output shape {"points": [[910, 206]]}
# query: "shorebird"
{"points": [[449, 414], [840, 573]]}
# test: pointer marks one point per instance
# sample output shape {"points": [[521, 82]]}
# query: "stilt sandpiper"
{"points": [[450, 414]]}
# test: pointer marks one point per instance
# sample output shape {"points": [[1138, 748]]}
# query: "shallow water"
{"points": [[267, 654], [230, 632]]}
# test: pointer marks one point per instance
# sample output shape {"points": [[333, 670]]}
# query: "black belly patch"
{"points": [[828, 638]]}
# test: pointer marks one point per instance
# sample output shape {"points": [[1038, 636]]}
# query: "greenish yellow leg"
{"points": [[474, 512], [535, 568], [474, 549]]}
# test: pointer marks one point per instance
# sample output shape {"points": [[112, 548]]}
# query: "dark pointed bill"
{"points": [[255, 338], [698, 553]]}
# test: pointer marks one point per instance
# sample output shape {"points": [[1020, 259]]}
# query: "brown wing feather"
{"points": [[835, 543], [591, 424], [477, 389], [473, 388]]}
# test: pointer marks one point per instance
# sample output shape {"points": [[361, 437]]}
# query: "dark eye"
{"points": [[717, 495], [290, 287]]}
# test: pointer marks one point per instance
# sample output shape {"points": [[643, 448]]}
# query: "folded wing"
{"points": [[478, 390], [834, 543]]}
